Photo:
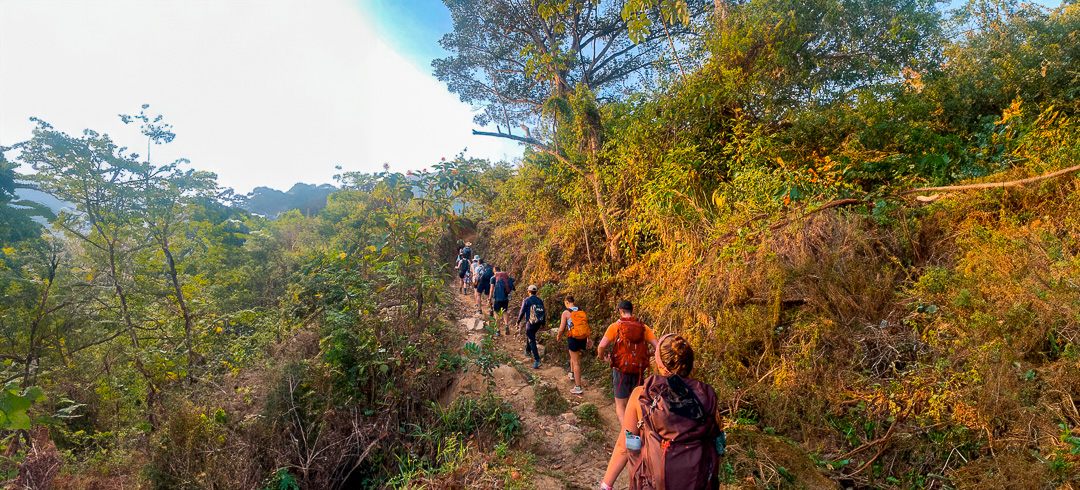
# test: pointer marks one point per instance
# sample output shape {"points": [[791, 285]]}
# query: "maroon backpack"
{"points": [[678, 426]]}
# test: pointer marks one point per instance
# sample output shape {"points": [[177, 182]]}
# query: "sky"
{"points": [[262, 92]]}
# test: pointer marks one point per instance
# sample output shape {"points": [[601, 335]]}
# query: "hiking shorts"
{"points": [[482, 289], [576, 345], [624, 383], [500, 306], [462, 273]]}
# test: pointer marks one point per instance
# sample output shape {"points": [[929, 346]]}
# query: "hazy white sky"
{"points": [[266, 92]]}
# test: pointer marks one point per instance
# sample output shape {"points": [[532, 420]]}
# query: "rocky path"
{"points": [[570, 454]]}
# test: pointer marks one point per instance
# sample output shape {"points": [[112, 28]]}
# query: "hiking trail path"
{"points": [[566, 458]]}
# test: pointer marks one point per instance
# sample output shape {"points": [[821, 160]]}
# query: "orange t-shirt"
{"points": [[613, 331]]}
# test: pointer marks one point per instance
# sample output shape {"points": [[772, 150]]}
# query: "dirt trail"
{"points": [[566, 456]]}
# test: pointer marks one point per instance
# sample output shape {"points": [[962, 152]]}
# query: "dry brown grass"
{"points": [[961, 315]]}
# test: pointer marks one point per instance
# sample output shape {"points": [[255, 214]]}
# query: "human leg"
{"points": [[620, 407], [575, 366], [530, 345], [623, 384]]}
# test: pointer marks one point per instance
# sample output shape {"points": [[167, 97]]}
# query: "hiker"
{"points": [[501, 287], [460, 245], [484, 273], [532, 311], [576, 324], [463, 272], [629, 356], [467, 251], [475, 271], [670, 434]]}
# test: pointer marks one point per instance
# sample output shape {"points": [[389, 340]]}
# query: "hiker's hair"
{"points": [[569, 299], [480, 260], [498, 269], [677, 355]]}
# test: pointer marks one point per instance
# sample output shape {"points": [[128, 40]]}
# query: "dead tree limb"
{"points": [[994, 185]]}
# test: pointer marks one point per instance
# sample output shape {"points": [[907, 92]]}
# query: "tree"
{"points": [[163, 195], [95, 174], [511, 56], [785, 55], [15, 214], [523, 61]]}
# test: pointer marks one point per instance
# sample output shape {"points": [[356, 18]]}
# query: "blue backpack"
{"points": [[501, 292]]}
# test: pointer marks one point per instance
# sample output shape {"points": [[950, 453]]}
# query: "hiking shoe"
{"points": [[536, 365], [508, 330], [576, 390], [570, 375]]}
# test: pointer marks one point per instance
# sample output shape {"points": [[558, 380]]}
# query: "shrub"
{"points": [[548, 400]]}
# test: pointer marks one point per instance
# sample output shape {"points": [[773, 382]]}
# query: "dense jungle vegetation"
{"points": [[749, 173]]}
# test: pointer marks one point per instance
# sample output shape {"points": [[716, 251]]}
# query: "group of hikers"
{"points": [[671, 434]]}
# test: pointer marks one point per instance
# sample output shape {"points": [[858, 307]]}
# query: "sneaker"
{"points": [[570, 375], [508, 330], [536, 365], [576, 390]]}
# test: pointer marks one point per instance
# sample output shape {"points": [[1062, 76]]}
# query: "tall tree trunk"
{"points": [[180, 300], [612, 245], [151, 388]]}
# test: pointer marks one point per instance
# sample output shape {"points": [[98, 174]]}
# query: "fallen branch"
{"points": [[883, 441], [994, 185], [829, 205]]}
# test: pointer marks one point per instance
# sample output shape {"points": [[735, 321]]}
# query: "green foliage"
{"points": [[548, 401], [15, 404], [589, 415], [484, 415], [282, 480]]}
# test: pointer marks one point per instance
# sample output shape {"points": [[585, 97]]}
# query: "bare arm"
{"points": [[600, 348], [562, 324], [633, 413], [620, 455]]}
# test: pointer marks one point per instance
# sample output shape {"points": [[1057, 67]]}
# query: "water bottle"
{"points": [[633, 443]]}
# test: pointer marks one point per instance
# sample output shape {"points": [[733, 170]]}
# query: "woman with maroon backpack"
{"points": [[670, 436]]}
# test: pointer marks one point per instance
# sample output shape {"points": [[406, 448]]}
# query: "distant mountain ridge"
{"points": [[308, 198]]}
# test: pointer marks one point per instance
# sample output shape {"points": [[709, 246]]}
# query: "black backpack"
{"points": [[467, 253], [485, 278], [536, 314]]}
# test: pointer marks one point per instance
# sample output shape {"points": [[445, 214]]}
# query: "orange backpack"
{"points": [[630, 354], [578, 326]]}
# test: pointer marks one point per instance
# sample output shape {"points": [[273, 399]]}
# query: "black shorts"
{"points": [[461, 274], [500, 306], [482, 289], [576, 345], [624, 383]]}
